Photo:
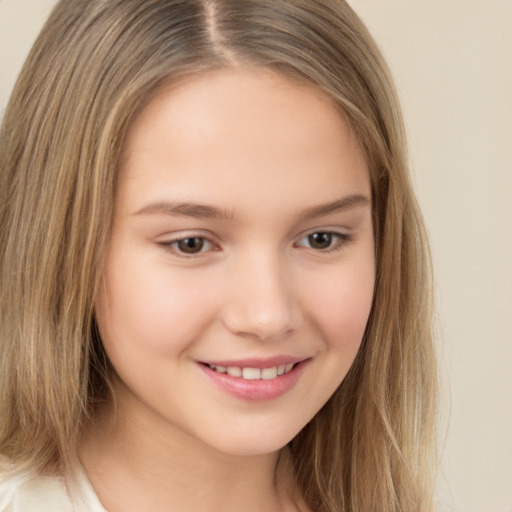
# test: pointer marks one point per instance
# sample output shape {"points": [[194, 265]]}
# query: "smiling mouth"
{"points": [[256, 380], [249, 373]]}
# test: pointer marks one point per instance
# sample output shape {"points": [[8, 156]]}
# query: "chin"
{"points": [[252, 444]]}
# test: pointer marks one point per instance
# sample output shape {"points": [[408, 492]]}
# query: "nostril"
{"points": [[262, 322], [260, 302]]}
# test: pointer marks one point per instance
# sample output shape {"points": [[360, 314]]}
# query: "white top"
{"points": [[32, 493]]}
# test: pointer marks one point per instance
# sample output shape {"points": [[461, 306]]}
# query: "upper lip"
{"points": [[253, 362]]}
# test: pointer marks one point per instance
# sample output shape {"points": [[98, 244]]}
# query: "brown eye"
{"points": [[324, 241], [320, 240], [191, 245]]}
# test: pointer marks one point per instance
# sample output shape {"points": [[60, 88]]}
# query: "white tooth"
{"points": [[269, 373], [280, 369], [251, 373], [288, 367], [234, 371], [220, 369]]}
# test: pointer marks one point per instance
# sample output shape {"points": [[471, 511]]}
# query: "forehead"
{"points": [[253, 131]]}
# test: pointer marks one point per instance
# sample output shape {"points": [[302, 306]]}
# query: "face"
{"points": [[240, 274]]}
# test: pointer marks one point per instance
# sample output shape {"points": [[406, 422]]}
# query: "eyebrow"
{"points": [[203, 211], [340, 205], [186, 209]]}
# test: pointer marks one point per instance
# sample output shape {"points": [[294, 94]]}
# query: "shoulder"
{"points": [[32, 493]]}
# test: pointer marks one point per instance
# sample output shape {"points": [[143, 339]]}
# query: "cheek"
{"points": [[141, 310], [341, 306], [338, 310]]}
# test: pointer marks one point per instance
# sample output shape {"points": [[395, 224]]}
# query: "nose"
{"points": [[262, 303]]}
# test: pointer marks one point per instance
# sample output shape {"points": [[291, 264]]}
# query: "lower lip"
{"points": [[256, 389]]}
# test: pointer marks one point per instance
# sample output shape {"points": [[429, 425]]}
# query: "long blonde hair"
{"points": [[92, 68]]}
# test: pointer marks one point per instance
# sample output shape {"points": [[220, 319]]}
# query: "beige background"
{"points": [[452, 60]]}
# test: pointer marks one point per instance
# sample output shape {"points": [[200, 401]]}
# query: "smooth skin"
{"points": [[242, 229]]}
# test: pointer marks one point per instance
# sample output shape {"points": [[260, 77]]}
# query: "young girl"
{"points": [[215, 281]]}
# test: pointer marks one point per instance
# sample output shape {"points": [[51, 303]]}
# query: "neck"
{"points": [[145, 464]]}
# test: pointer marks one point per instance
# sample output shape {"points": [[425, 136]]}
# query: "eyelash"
{"points": [[342, 239], [336, 242], [173, 246]]}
